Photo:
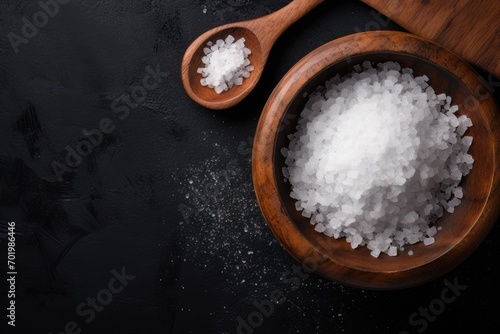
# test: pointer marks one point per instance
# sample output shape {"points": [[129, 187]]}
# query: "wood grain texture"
{"points": [[461, 232], [470, 28]]}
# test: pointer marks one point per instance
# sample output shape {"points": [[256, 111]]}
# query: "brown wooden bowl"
{"points": [[461, 232]]}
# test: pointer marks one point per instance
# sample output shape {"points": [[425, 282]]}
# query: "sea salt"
{"points": [[378, 157], [226, 64]]}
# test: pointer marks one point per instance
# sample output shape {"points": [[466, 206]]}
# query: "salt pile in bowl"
{"points": [[377, 158], [226, 64]]}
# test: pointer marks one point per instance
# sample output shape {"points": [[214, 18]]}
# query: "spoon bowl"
{"points": [[207, 96], [260, 35]]}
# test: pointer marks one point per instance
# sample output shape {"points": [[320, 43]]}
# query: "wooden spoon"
{"points": [[260, 35]]}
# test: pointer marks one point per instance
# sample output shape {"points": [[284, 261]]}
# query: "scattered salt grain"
{"points": [[226, 64], [378, 157]]}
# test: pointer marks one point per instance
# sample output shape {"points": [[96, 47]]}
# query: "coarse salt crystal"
{"points": [[226, 64], [429, 241], [371, 154]]}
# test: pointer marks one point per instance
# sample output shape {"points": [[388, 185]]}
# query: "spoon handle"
{"points": [[273, 25]]}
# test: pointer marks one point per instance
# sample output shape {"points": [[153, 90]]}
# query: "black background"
{"points": [[168, 193]]}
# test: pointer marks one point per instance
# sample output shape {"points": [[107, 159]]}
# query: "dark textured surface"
{"points": [[167, 192]]}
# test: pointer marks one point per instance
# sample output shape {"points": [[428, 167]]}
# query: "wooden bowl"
{"points": [[461, 231]]}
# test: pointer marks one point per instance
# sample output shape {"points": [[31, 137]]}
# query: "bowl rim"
{"points": [[266, 189]]}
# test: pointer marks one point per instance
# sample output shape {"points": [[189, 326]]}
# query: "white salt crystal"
{"points": [[431, 231], [412, 239], [229, 39], [458, 192], [411, 217], [429, 241], [467, 141], [393, 251], [378, 157], [226, 64], [468, 159], [320, 228]]}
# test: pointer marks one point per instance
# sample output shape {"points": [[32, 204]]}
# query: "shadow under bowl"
{"points": [[461, 231]]}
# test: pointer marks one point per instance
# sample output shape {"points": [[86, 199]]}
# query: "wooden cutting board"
{"points": [[470, 28]]}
